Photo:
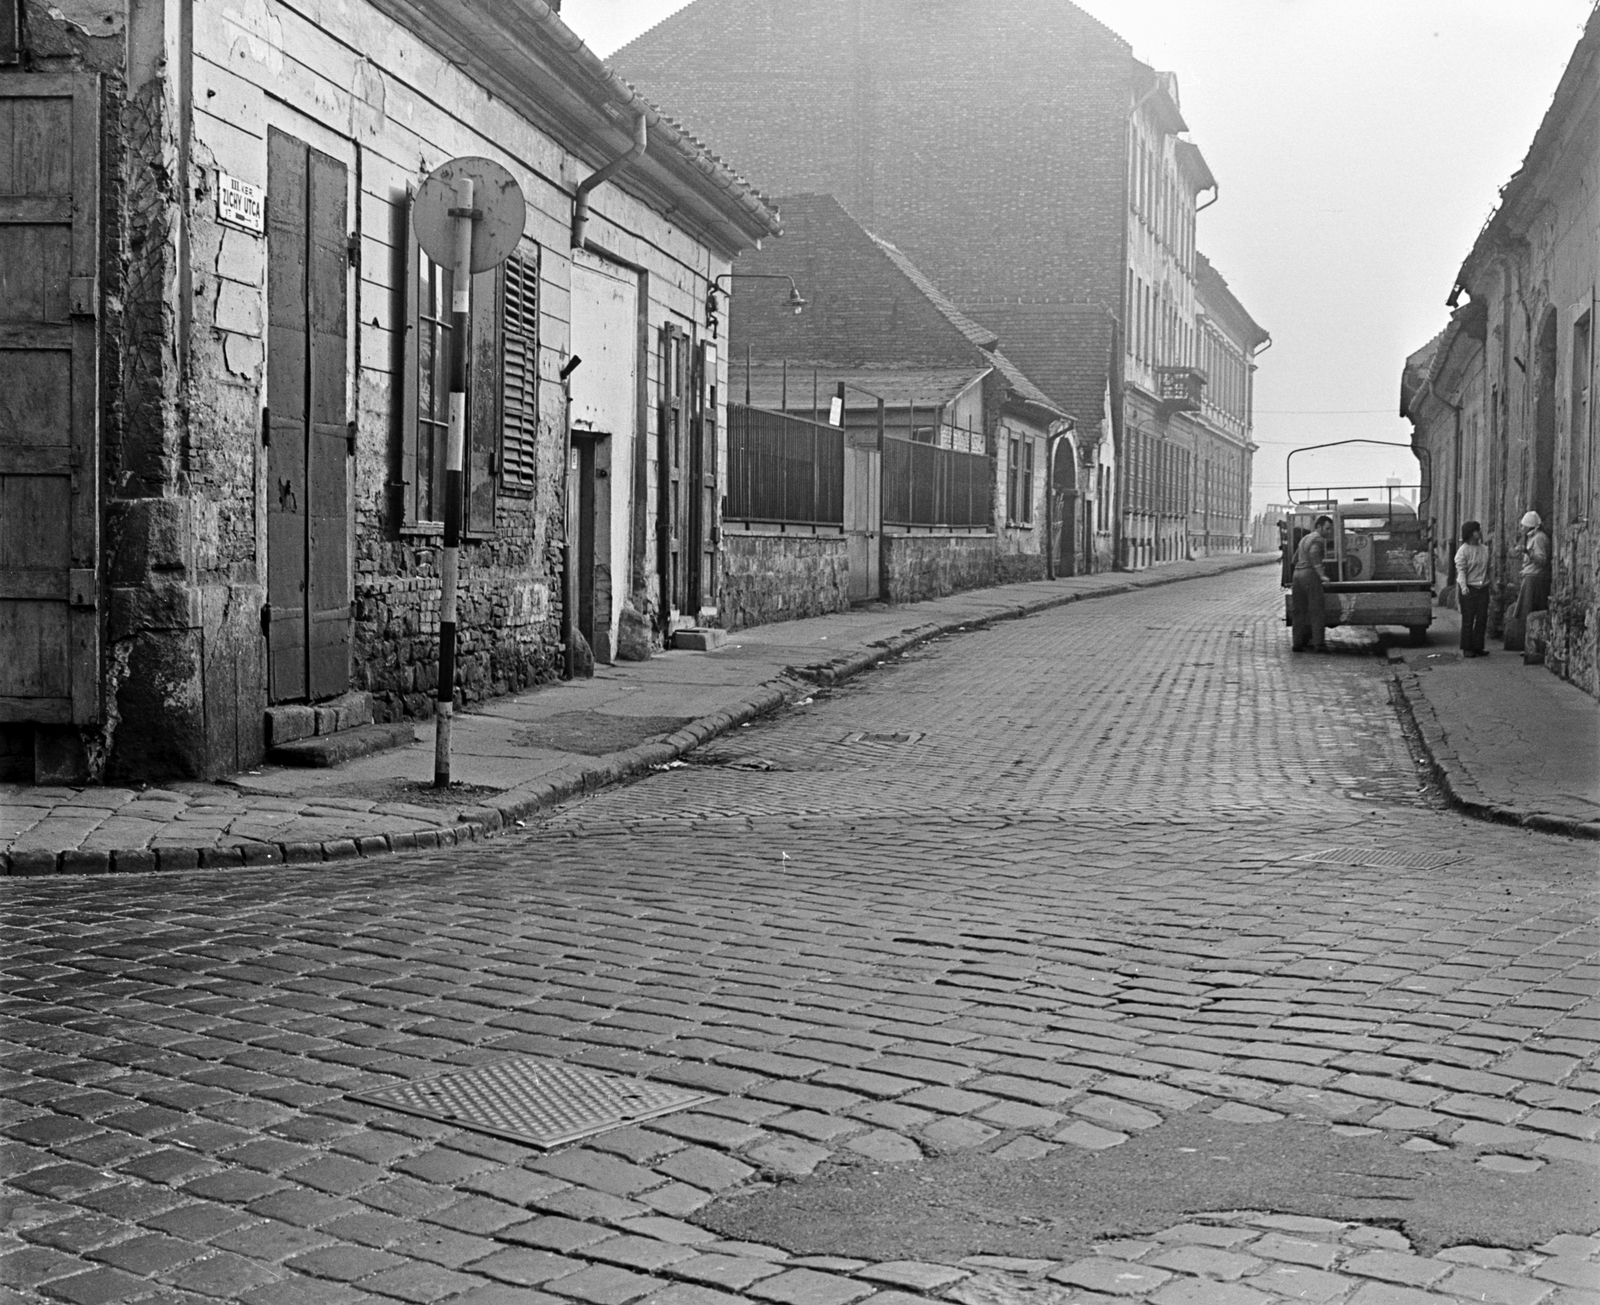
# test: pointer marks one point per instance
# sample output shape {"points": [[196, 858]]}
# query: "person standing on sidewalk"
{"points": [[1307, 606], [1534, 595], [1472, 588]]}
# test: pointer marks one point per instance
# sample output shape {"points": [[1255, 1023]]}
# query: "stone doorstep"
{"points": [[290, 722], [324, 750], [699, 638]]}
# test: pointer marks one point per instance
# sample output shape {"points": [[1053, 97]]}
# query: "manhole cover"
{"points": [[1378, 858], [543, 1102], [902, 737]]}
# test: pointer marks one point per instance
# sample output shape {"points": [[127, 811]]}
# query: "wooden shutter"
{"points": [[308, 566], [519, 371], [483, 404], [328, 432], [286, 409], [49, 398], [407, 301]]}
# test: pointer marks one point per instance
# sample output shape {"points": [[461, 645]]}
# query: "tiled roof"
{"points": [[980, 335], [899, 387], [524, 53], [1065, 348]]}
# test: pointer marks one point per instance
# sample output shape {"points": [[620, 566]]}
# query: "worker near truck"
{"points": [[1472, 588], [1307, 605]]}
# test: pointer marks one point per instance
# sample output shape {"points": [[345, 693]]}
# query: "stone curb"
{"points": [[1462, 791], [514, 806]]}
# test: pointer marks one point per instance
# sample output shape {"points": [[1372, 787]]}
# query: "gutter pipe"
{"points": [[580, 202]]}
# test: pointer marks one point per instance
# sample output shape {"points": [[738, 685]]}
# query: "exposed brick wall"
{"points": [[986, 141], [769, 578]]}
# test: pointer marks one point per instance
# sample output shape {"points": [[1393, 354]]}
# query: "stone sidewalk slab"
{"points": [[1505, 741], [514, 756]]}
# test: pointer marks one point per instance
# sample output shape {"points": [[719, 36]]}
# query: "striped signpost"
{"points": [[469, 214]]}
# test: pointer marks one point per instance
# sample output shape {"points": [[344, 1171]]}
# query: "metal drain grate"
{"points": [[901, 738], [1379, 859], [542, 1102]]}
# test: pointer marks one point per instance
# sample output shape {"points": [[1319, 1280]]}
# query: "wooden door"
{"points": [[702, 479], [673, 476], [308, 641], [49, 398]]}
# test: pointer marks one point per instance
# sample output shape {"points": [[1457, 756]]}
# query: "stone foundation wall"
{"points": [[508, 625], [930, 566], [1573, 647], [768, 578]]}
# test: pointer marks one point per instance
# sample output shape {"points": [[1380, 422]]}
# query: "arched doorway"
{"points": [[1065, 490], [1541, 492]]}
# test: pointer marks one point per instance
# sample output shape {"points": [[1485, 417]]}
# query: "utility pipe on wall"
{"points": [[580, 200]]}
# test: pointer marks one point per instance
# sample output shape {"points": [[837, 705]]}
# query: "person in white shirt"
{"points": [[1472, 589]]}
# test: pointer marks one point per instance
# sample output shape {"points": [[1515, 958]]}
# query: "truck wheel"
{"points": [[1419, 636]]}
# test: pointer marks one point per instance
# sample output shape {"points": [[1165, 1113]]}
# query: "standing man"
{"points": [[1472, 588], [1307, 604]]}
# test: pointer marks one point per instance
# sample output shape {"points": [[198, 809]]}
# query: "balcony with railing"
{"points": [[1180, 389]]}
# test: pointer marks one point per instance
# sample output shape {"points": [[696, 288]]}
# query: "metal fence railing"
{"points": [[784, 469], [924, 485]]}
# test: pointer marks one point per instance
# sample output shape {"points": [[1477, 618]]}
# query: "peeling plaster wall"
{"points": [[184, 359]]}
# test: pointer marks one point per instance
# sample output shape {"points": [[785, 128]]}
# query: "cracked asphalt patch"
{"points": [[1058, 1206]]}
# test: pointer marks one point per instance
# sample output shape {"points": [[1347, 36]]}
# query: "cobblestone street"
{"points": [[1125, 879]]}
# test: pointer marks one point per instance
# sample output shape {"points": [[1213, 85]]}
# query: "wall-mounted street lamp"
{"points": [[714, 309]]}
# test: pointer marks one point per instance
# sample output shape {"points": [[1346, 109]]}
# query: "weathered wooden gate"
{"points": [[49, 398], [702, 586], [673, 481], [308, 595]]}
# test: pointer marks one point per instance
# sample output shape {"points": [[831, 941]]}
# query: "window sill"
{"points": [[421, 529]]}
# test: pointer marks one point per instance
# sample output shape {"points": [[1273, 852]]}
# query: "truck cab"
{"points": [[1379, 568]]}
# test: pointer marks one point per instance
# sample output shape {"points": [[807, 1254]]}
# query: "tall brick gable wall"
{"points": [[861, 309], [986, 141]]}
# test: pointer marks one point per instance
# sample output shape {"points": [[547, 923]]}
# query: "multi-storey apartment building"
{"points": [[1036, 171]]}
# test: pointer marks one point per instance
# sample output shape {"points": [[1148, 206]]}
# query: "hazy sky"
{"points": [[1360, 145]]}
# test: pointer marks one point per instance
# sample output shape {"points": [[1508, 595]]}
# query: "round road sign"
{"points": [[496, 198]]}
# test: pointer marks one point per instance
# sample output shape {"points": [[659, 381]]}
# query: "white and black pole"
{"points": [[468, 216], [463, 214]]}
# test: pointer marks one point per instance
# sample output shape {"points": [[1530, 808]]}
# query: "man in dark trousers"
{"points": [[1306, 603]]}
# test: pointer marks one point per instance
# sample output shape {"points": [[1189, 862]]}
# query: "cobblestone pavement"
{"points": [[1031, 892]]}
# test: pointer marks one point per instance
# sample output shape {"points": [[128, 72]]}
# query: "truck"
{"points": [[1380, 565]]}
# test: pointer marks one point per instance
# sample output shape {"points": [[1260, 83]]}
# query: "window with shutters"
{"points": [[502, 416], [519, 370]]}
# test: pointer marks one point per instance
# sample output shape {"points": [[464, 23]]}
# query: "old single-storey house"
{"points": [[1501, 402], [222, 372]]}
